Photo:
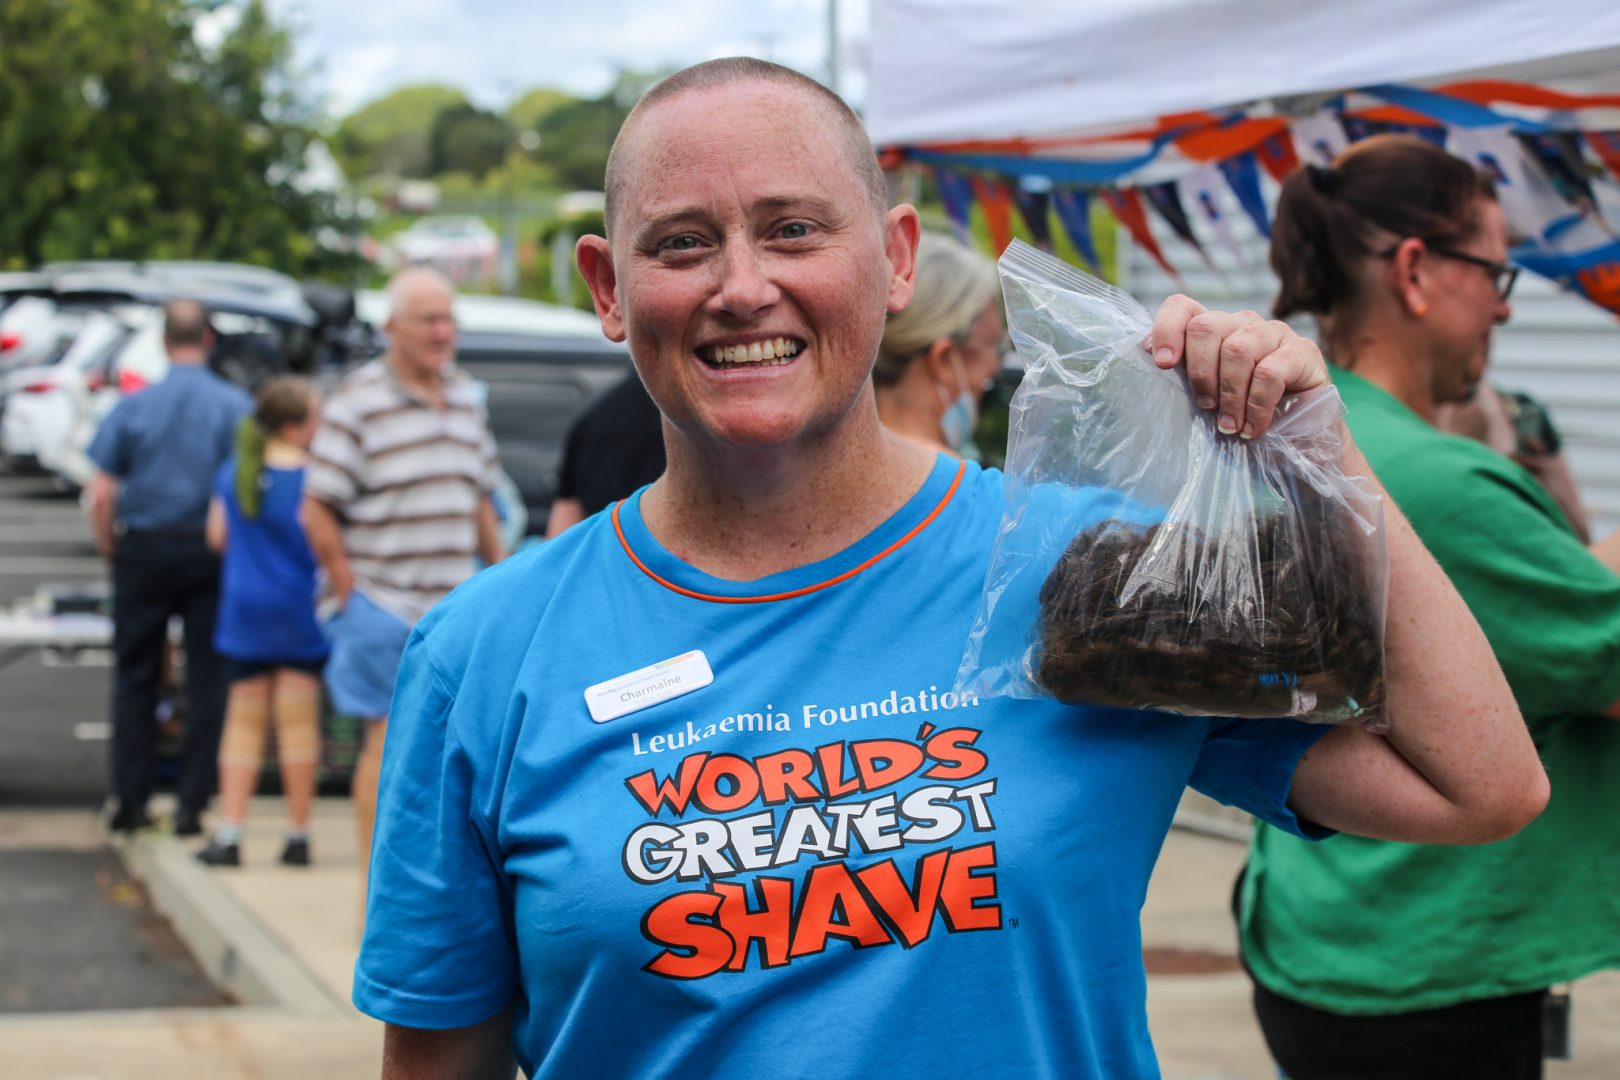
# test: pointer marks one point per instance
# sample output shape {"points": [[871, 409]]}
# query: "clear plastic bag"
{"points": [[1145, 560]]}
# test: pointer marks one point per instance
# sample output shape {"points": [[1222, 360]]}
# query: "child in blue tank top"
{"points": [[267, 629]]}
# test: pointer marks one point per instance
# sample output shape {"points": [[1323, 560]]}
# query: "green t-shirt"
{"points": [[1370, 926]]}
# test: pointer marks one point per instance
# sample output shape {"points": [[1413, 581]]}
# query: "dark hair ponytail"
{"points": [[1378, 192], [1303, 248]]}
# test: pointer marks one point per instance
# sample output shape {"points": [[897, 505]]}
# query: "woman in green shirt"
{"points": [[1385, 960]]}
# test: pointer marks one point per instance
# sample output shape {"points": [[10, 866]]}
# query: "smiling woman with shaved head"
{"points": [[686, 793]]}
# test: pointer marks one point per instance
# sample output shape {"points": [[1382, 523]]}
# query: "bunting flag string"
{"points": [[1606, 145], [1449, 110], [1277, 156], [1201, 189], [1557, 173], [997, 204], [1127, 208], [1559, 154], [1320, 137], [1166, 199], [1529, 200], [1243, 174], [956, 192], [1032, 208], [1360, 127], [1073, 207]]}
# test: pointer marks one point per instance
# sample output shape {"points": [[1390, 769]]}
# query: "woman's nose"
{"points": [[746, 287]]}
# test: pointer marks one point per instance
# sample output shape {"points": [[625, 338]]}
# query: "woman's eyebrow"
{"points": [[815, 204], [669, 217]]}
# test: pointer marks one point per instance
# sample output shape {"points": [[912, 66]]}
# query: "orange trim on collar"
{"points": [[845, 576]]}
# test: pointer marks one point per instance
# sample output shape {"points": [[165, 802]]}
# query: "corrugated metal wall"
{"points": [[1557, 347]]}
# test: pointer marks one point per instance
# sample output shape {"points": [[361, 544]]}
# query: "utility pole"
{"points": [[506, 270], [832, 45]]}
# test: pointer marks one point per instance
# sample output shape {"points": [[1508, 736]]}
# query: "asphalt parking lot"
{"points": [[54, 718], [76, 932]]}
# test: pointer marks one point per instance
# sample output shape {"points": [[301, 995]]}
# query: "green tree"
{"points": [[392, 135], [528, 110], [122, 137], [576, 135], [575, 139], [467, 139]]}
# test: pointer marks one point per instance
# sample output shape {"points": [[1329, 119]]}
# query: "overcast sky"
{"points": [[495, 49]]}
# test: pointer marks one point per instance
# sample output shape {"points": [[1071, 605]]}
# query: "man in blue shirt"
{"points": [[156, 455]]}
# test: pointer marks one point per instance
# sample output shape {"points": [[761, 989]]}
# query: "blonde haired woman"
{"points": [[940, 353]]}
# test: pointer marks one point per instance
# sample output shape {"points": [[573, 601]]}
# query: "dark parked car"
{"points": [[537, 386]]}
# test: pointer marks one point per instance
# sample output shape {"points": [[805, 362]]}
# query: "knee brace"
{"points": [[298, 729], [242, 742]]}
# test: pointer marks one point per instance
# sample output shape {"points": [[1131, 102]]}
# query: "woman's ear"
{"points": [[937, 361], [901, 229], [594, 256], [1411, 267]]}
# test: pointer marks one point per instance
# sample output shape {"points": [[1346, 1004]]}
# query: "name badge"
{"points": [[648, 686]]}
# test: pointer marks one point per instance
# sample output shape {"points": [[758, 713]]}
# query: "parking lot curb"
{"points": [[238, 953]]}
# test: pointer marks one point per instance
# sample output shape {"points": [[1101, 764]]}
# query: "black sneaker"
{"points": [[215, 853], [187, 823], [129, 820], [296, 853]]}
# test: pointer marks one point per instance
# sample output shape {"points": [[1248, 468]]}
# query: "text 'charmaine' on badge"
{"points": [[648, 686]]}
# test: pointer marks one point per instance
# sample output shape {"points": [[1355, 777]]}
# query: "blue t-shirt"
{"points": [[164, 443], [823, 863], [267, 584]]}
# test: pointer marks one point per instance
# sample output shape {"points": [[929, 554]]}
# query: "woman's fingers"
{"points": [[1247, 376], [1237, 362], [1205, 332], [1169, 337]]}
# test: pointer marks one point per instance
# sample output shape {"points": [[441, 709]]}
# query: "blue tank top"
{"points": [[267, 584]]}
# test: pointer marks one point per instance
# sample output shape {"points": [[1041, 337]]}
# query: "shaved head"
{"points": [[729, 72]]}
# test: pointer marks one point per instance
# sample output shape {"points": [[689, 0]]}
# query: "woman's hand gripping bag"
{"points": [[1145, 560]]}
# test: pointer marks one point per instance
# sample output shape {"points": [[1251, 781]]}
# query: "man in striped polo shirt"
{"points": [[397, 505]]}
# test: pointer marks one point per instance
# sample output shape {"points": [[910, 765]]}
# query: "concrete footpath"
{"points": [[283, 942]]}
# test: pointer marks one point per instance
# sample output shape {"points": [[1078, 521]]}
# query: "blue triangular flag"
{"points": [[1242, 174], [1032, 207], [956, 192], [1073, 206]]}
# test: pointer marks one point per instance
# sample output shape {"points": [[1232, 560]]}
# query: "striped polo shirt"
{"points": [[406, 480]]}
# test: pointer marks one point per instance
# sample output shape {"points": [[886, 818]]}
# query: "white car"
{"points": [[495, 315], [134, 361], [44, 402], [34, 332], [138, 359], [464, 249]]}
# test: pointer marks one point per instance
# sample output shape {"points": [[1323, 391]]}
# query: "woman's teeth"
{"points": [[772, 353]]}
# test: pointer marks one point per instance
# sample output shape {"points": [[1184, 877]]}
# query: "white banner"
{"points": [[970, 69]]}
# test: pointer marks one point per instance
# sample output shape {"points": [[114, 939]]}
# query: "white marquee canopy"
{"points": [[986, 69]]}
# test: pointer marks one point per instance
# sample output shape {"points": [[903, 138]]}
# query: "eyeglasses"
{"points": [[1503, 275], [1006, 350], [1003, 347]]}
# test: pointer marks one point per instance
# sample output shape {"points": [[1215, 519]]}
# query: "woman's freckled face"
{"points": [[747, 224]]}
